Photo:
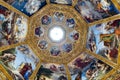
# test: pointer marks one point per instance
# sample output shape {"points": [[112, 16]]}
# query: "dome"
{"points": [[59, 39]]}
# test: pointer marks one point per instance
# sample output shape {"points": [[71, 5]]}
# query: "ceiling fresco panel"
{"points": [[13, 27], [51, 71], [87, 67], [28, 7], [104, 39], [19, 62], [94, 10]]}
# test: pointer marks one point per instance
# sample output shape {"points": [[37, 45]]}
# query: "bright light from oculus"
{"points": [[56, 34]]}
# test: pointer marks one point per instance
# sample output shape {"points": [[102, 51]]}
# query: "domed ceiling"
{"points": [[59, 39]]}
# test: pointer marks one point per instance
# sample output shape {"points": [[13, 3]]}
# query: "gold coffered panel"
{"points": [[79, 27]]}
